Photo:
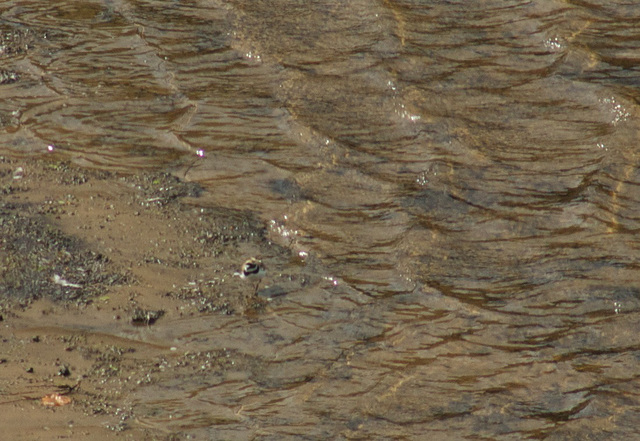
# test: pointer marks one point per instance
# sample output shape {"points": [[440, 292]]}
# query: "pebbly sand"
{"points": [[87, 258]]}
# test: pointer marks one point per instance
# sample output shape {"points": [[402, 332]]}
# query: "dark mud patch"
{"points": [[17, 40], [38, 260], [162, 188], [8, 76]]}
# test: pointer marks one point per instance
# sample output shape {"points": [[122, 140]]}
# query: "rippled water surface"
{"points": [[462, 175]]}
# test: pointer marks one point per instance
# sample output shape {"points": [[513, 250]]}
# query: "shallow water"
{"points": [[462, 176]]}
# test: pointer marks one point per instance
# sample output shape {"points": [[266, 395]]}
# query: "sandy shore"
{"points": [[88, 257]]}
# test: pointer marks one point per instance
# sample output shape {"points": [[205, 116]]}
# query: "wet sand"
{"points": [[90, 259], [451, 190]]}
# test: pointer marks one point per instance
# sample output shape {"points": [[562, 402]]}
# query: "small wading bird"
{"points": [[253, 269]]}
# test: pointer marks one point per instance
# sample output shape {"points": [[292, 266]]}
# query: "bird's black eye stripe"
{"points": [[251, 268]]}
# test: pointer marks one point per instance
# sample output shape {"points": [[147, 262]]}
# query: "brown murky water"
{"points": [[456, 183]]}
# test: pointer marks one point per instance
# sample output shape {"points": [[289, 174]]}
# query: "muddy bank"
{"points": [[88, 256]]}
